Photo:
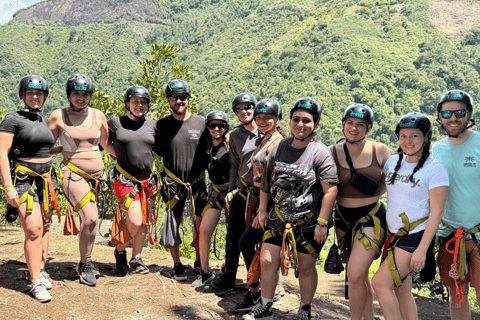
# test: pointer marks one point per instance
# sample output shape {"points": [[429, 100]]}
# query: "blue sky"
{"points": [[9, 7]]}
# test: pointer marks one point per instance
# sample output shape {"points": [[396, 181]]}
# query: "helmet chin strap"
{"points": [[142, 117], [468, 125]]}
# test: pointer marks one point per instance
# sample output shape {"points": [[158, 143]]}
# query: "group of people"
{"points": [[280, 192]]}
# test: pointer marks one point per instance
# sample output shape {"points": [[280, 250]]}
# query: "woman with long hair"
{"points": [[417, 187]]}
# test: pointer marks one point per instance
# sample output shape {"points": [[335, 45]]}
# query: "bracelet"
{"points": [[322, 225], [9, 188], [322, 220]]}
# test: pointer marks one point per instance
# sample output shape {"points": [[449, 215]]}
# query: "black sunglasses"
{"points": [[175, 98], [447, 114], [216, 125], [247, 107]]}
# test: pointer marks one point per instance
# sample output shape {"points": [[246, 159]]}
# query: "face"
{"points": [[79, 99], [138, 106], [454, 125], [34, 98], [355, 129], [179, 103], [301, 124], [265, 122], [217, 128], [411, 140], [244, 112]]}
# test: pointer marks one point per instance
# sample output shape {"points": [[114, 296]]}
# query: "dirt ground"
{"points": [[151, 296], [454, 18]]}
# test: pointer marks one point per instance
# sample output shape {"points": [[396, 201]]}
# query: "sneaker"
{"points": [[85, 271], [250, 300], [179, 272], [40, 292], [197, 266], [220, 284], [44, 278], [277, 299], [138, 266], [121, 264], [95, 270], [304, 313], [203, 280], [260, 312]]}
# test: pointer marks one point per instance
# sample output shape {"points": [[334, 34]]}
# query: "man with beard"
{"points": [[179, 140], [459, 153]]}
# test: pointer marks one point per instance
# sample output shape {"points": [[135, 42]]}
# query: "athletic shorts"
{"points": [[309, 236], [24, 182], [214, 196], [352, 215], [445, 263], [411, 241]]}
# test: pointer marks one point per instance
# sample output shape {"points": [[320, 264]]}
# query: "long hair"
{"points": [[282, 131], [397, 167], [225, 141]]}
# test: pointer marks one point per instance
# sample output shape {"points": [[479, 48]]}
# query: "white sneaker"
{"points": [[40, 292], [44, 278]]}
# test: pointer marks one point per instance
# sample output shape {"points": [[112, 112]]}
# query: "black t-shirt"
{"points": [[181, 144], [133, 142], [218, 164], [20, 125]]}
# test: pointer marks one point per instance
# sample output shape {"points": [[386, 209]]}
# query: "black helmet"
{"points": [[243, 97], [456, 95], [310, 105], [360, 111], [136, 91], [415, 120], [268, 106], [177, 87], [32, 82], [79, 82], [217, 115]]}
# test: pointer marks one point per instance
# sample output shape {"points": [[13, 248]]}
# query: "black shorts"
{"points": [[411, 241], [214, 196], [308, 236], [352, 215], [200, 201], [24, 182]]}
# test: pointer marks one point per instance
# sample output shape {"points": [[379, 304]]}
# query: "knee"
{"points": [[355, 275], [377, 284], [89, 222], [307, 270], [33, 232]]}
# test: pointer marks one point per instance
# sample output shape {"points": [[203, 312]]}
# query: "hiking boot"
{"points": [[85, 271], [203, 280], [44, 278], [220, 284], [138, 266], [179, 272], [304, 313], [197, 266], [121, 258], [260, 312], [277, 299], [40, 292], [250, 300]]}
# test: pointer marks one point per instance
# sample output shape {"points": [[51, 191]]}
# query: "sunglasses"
{"points": [[175, 98], [247, 107], [447, 114], [216, 125]]}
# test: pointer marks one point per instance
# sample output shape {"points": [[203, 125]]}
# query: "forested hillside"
{"points": [[384, 53]]}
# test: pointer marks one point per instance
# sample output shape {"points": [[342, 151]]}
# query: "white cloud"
{"points": [[9, 7]]}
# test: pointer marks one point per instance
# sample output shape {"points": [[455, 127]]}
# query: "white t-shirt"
{"points": [[411, 197]]}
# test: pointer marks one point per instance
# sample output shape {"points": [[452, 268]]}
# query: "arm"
{"points": [[328, 201], [438, 197], [382, 156], [104, 141], [52, 124], [6, 140], [262, 217]]}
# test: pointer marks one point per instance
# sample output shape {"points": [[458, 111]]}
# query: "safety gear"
{"points": [[415, 120], [360, 111], [177, 87], [456, 95], [136, 91], [310, 105], [79, 82], [217, 115], [243, 97], [32, 82], [268, 106]]}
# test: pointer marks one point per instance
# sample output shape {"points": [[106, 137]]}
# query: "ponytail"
{"points": [[421, 162], [397, 167]]}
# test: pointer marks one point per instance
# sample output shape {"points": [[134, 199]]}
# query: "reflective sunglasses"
{"points": [[247, 107], [181, 97], [216, 125], [447, 114]]}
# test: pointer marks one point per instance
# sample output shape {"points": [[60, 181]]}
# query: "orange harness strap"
{"points": [[458, 252]]}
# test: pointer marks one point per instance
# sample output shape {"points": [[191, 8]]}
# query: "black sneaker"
{"points": [[122, 264], [197, 266], [179, 272], [260, 312], [249, 301], [85, 271], [138, 266], [220, 284], [203, 280], [304, 313]]}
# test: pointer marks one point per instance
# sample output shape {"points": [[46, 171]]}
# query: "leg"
{"points": [[137, 230], [461, 311], [406, 302], [88, 227], [207, 227], [307, 277], [235, 230], [270, 262], [197, 221], [33, 246], [247, 244], [45, 241]]}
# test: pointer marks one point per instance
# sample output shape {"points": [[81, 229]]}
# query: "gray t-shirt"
{"points": [[292, 177], [242, 145]]}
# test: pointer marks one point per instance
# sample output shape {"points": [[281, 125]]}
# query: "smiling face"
{"points": [[34, 98], [411, 141], [301, 124], [265, 122], [80, 99], [244, 112], [138, 106], [453, 125], [355, 129], [217, 128], [179, 103]]}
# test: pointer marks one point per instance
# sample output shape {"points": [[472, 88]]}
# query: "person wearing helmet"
{"points": [[459, 153], [298, 191], [267, 114], [243, 142], [25, 140], [417, 187], [181, 141], [81, 130], [133, 139], [218, 166], [358, 211]]}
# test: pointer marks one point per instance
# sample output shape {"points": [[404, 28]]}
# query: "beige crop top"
{"points": [[77, 140]]}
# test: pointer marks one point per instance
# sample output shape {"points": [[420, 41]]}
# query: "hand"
{"points": [[260, 220], [228, 198], [321, 234], [256, 222], [12, 198], [417, 262]]}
